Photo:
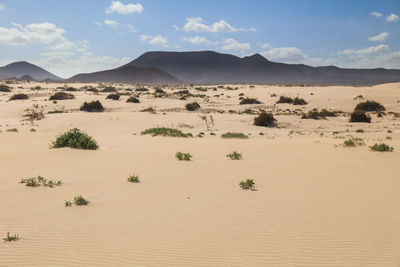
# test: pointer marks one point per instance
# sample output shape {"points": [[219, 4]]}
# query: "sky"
{"points": [[68, 37]]}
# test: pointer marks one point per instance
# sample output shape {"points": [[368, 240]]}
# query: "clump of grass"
{"points": [[284, 100], [14, 130], [61, 96], [248, 184], [192, 106], [40, 181], [109, 89], [11, 238], [265, 119], [299, 101], [5, 88], [231, 135], [353, 142], [133, 179], [80, 201], [359, 131], [183, 156], [19, 97], [235, 155], [382, 147], [132, 99], [113, 96], [248, 100], [369, 106], [141, 89], [70, 89], [162, 131], [359, 116], [74, 138], [68, 203], [316, 115], [34, 113], [93, 106]]}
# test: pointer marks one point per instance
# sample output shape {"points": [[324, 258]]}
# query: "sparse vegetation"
{"points": [[183, 156], [61, 96], [34, 114], [248, 184], [369, 106], [230, 135], [192, 106], [235, 155], [80, 201], [285, 100], [93, 106], [353, 142], [247, 100], [132, 99], [113, 96], [74, 138], [316, 115], [359, 131], [40, 181], [162, 131], [265, 119], [359, 116], [5, 88], [133, 179], [109, 89], [382, 147], [19, 97], [11, 238], [299, 101], [209, 121]]}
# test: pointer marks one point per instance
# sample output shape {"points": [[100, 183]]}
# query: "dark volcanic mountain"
{"points": [[22, 68], [213, 67], [127, 74]]}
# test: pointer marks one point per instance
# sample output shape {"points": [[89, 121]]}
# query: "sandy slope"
{"points": [[315, 204]]}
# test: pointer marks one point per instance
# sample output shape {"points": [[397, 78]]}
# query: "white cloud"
{"points": [[197, 25], [2, 6], [285, 54], [154, 40], [196, 40], [376, 14], [370, 50], [392, 18], [231, 44], [265, 45], [118, 7], [131, 28], [111, 23], [380, 37]]}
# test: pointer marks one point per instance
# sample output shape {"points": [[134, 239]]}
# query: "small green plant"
{"points": [[248, 184], [74, 138], [40, 181], [94, 106], [133, 179], [80, 201], [162, 131], [183, 156], [15, 130], [359, 131], [230, 135], [353, 142], [11, 238], [265, 119], [235, 155], [68, 203], [382, 147]]}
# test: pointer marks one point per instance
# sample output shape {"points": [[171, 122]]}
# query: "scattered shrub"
{"points": [[359, 116], [285, 99], [40, 181], [113, 96], [80, 201], [247, 185], [369, 106], [19, 97], [265, 119], [316, 115], [142, 89], [5, 88], [359, 131], [74, 138], [68, 203], [248, 100], [109, 89], [70, 89], [235, 155], [94, 106], [133, 179], [353, 142], [382, 147], [234, 135], [162, 131], [133, 99], [159, 91], [299, 101], [192, 106], [15, 130], [61, 96], [183, 156], [11, 238], [34, 113]]}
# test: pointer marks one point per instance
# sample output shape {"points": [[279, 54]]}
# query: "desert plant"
{"points": [[133, 179], [94, 106], [284, 99], [11, 238], [19, 97], [5, 88], [299, 101], [80, 201], [248, 184], [359, 116], [61, 96], [74, 138], [183, 156], [70, 89], [359, 131], [68, 203], [248, 100], [369, 106], [162, 131], [113, 96], [141, 89], [132, 99], [353, 142], [38, 181], [109, 89], [192, 106], [265, 119], [14, 130], [382, 147], [235, 155], [209, 121], [34, 113], [230, 135]]}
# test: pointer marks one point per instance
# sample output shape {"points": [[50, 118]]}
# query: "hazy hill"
{"points": [[23, 68]]}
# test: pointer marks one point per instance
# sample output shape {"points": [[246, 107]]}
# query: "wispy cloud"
{"points": [[380, 37], [2, 6], [231, 44], [196, 25], [376, 14], [392, 18], [369, 50], [118, 7], [154, 40], [197, 40], [111, 23]]}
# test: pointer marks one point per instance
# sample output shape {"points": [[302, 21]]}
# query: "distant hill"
{"points": [[23, 68], [26, 78], [213, 67], [127, 74]]}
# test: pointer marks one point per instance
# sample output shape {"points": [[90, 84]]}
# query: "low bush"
{"points": [[61, 96], [235, 155], [93, 106], [265, 119], [183, 156], [40, 181], [316, 115], [162, 131], [80, 201], [353, 142], [141, 89], [11, 238], [109, 89], [382, 147], [230, 135], [19, 97], [248, 184], [299, 101], [113, 96], [133, 179], [74, 138], [247, 100], [369, 106], [132, 99], [70, 89], [284, 100], [359, 116], [5, 88], [192, 106]]}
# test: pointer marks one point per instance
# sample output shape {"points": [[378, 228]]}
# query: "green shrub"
{"points": [[133, 179], [68, 203], [299, 101], [192, 106], [247, 100], [247, 185], [94, 106], [80, 201], [19, 97], [284, 100], [162, 131], [235, 155], [234, 135], [61, 96], [113, 96], [353, 142], [316, 115], [183, 156], [11, 238], [369, 106], [5, 88], [265, 119], [359, 116], [359, 131], [74, 138], [382, 147], [142, 89], [109, 89], [132, 99]]}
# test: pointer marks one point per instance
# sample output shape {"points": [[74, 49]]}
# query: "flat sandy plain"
{"points": [[317, 203]]}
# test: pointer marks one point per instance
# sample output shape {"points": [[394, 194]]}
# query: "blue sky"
{"points": [[72, 36]]}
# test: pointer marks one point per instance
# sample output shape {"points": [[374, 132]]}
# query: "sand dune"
{"points": [[315, 204]]}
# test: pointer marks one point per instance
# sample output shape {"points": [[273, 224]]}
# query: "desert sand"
{"points": [[316, 202]]}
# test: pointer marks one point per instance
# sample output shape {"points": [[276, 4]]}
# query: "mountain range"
{"points": [[212, 67]]}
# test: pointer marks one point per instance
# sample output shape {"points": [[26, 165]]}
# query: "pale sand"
{"points": [[315, 204]]}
